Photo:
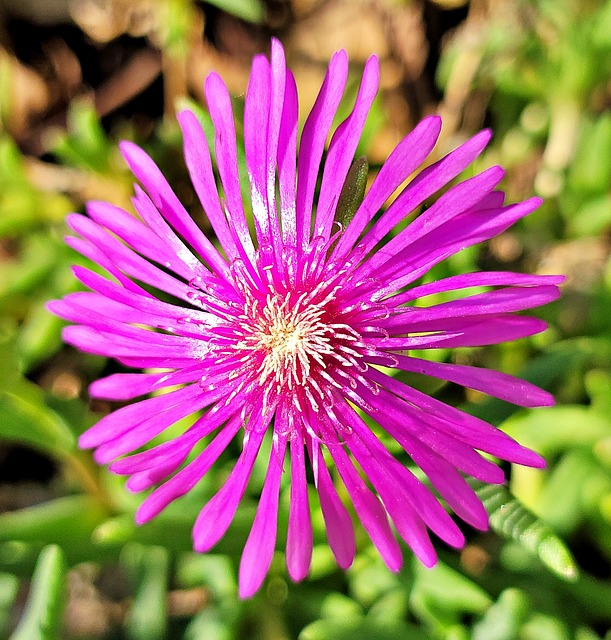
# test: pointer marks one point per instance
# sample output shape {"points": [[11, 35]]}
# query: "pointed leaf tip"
{"points": [[44, 610], [511, 519]]}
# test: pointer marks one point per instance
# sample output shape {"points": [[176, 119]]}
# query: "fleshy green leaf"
{"points": [[334, 630], [25, 418], [511, 519], [504, 618], [147, 618], [213, 571], [22, 204], [44, 609], [441, 596], [544, 627], [24, 415], [174, 529], [67, 521], [369, 580], [86, 145], [215, 622], [175, 532], [9, 585], [249, 10]]}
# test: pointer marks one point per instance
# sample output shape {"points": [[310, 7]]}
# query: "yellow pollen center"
{"points": [[297, 345], [290, 339]]}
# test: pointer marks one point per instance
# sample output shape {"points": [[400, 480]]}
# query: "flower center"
{"points": [[292, 344], [290, 338]]}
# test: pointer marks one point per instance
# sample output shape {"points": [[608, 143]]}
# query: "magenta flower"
{"points": [[292, 325]]}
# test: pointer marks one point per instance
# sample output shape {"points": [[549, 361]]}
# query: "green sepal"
{"points": [[353, 192]]}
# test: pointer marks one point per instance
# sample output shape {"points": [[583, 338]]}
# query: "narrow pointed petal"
{"points": [[124, 386], [199, 165], [259, 548], [340, 532], [214, 519], [426, 184], [287, 166], [186, 478], [409, 154], [370, 511], [313, 141], [497, 384], [299, 536], [457, 200], [219, 105], [165, 199], [342, 149]]}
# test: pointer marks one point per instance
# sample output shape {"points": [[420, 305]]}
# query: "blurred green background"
{"points": [[77, 76]]}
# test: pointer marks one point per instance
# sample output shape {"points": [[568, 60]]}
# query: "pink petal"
{"points": [[477, 279], [219, 105], [124, 386], [497, 384], [287, 168], [214, 519], [166, 201], [314, 138], [259, 548], [409, 154], [187, 477], [299, 537], [370, 511], [199, 165], [342, 148], [340, 532], [426, 184]]}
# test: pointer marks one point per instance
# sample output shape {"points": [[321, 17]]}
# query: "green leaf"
{"points": [[66, 521], [9, 586], [544, 627], [174, 528], [215, 622], [372, 630], [504, 618], [211, 570], [568, 493], [341, 608], [37, 260], [147, 618], [511, 519], [24, 414], [369, 580], [39, 336], [25, 418], [591, 168], [592, 218], [393, 605], [175, 532], [178, 22], [584, 633], [44, 609], [8, 354], [249, 10], [441, 596], [86, 145], [22, 204], [550, 430]]}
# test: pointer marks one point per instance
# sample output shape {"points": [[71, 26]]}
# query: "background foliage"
{"points": [[75, 77]]}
